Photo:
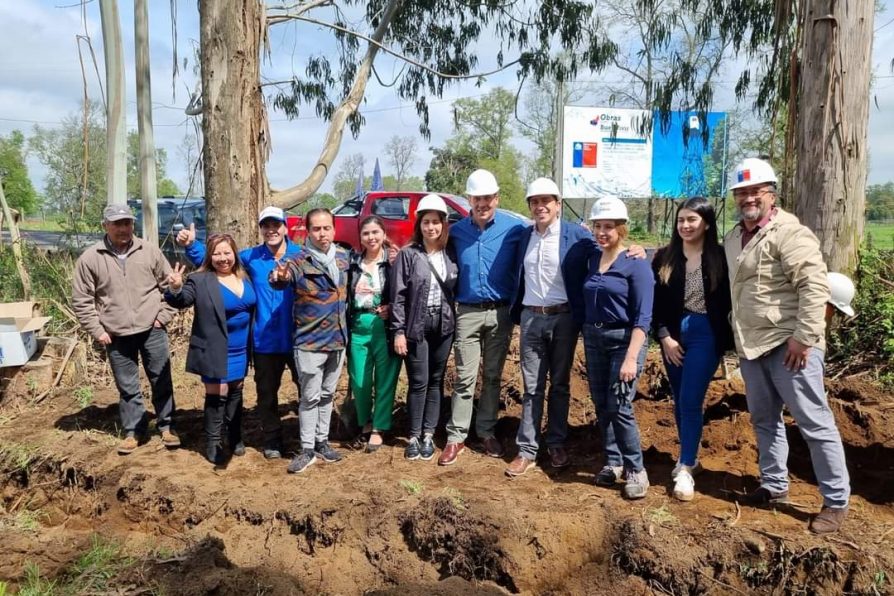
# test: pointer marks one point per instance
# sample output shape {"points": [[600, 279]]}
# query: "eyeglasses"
{"points": [[749, 192]]}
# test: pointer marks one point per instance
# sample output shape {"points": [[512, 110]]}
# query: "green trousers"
{"points": [[373, 369]]}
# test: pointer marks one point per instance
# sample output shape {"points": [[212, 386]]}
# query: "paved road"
{"points": [[54, 241]]}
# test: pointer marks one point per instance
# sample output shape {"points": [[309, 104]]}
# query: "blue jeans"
{"points": [[605, 350], [690, 381]]}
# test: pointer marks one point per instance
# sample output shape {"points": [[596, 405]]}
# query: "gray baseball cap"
{"points": [[116, 213]]}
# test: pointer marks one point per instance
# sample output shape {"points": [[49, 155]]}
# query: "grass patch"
{"points": [[34, 584], [17, 457], [879, 235], [84, 396], [42, 225], [455, 497], [413, 487], [24, 521], [660, 516]]}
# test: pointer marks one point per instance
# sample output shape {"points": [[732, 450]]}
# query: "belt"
{"points": [[486, 305], [601, 325], [550, 310]]}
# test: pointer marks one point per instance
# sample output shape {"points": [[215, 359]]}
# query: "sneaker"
{"points": [[427, 448], [302, 461], [325, 452], [684, 485], [273, 451], [828, 520], [170, 439], [413, 450], [636, 485], [609, 476], [128, 445], [693, 470], [763, 497]]}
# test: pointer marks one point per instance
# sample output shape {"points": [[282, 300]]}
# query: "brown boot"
{"points": [[828, 520], [128, 445], [450, 453], [519, 466]]}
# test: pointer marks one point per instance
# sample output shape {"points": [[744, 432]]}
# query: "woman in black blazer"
{"points": [[221, 331], [691, 321]]}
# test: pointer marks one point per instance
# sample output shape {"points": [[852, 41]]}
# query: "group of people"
{"points": [[463, 286]]}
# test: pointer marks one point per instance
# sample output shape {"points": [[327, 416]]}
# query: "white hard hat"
{"points": [[609, 208], [842, 292], [431, 202], [542, 186], [481, 183], [272, 212], [752, 171]]}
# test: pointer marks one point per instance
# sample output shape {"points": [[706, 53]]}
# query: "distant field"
{"points": [[882, 234], [48, 225]]}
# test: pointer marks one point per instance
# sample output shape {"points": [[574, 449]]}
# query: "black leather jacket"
{"points": [[410, 284]]}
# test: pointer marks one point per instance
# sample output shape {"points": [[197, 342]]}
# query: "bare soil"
{"points": [[378, 524]]}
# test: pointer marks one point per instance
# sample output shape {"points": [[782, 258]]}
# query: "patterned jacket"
{"points": [[320, 302]]}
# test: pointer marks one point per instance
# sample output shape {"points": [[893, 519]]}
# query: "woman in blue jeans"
{"points": [[617, 311], [691, 321]]}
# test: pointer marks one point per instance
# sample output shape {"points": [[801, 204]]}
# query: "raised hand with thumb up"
{"points": [[175, 278], [187, 236]]}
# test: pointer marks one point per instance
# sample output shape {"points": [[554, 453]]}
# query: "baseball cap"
{"points": [[272, 212], [116, 213]]}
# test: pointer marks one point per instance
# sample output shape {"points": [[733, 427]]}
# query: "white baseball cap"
{"points": [[272, 212]]}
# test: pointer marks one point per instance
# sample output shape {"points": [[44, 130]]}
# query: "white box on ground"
{"points": [[18, 332]]}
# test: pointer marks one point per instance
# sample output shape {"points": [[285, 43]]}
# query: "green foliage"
{"points": [[450, 167], [413, 487], [50, 284], [867, 340], [17, 187], [83, 396], [17, 457], [880, 201], [879, 235], [63, 150], [444, 36], [164, 186], [34, 584]]}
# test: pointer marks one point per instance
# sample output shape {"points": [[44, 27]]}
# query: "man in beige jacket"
{"points": [[117, 298], [779, 293]]}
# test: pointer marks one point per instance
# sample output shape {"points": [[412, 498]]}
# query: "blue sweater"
{"points": [[273, 324], [622, 296]]}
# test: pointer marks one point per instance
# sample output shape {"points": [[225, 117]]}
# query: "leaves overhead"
{"points": [[442, 41]]}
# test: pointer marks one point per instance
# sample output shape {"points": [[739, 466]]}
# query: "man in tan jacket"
{"points": [[117, 298], [779, 293]]}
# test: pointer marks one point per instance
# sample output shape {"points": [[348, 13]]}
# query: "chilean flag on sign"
{"points": [[584, 155]]}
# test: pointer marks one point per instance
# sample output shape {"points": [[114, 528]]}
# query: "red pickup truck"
{"points": [[397, 209]]}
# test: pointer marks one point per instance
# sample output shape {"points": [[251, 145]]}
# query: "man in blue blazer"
{"points": [[548, 330]]}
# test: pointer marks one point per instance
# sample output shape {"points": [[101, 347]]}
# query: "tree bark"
{"points": [[233, 116], [16, 241], [116, 133], [832, 126], [148, 190]]}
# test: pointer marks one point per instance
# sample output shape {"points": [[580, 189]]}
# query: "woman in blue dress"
{"points": [[219, 344]]}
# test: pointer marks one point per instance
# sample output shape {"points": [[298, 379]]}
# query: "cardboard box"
{"points": [[19, 324]]}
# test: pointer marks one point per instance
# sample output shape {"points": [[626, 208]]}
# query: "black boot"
{"points": [[233, 418], [214, 418]]}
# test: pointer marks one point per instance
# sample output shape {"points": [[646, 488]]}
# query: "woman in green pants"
{"points": [[372, 365]]}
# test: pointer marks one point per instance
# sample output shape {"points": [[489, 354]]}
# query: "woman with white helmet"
{"points": [[423, 319], [617, 298]]}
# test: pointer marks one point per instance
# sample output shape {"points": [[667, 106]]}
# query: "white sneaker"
{"points": [[684, 485], [693, 470]]}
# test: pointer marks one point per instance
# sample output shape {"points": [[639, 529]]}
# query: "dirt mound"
{"points": [[443, 531], [376, 523]]}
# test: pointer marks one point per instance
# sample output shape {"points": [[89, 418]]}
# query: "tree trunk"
{"points": [[832, 125], [116, 133], [148, 190], [233, 116], [16, 241]]}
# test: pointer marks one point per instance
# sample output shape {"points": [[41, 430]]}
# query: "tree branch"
{"points": [[299, 193], [300, 8], [380, 46]]}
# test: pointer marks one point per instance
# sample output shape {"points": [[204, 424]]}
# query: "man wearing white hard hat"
{"points": [[779, 294], [548, 331], [273, 324], [485, 243]]}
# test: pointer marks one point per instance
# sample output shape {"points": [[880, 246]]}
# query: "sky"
{"points": [[41, 83]]}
